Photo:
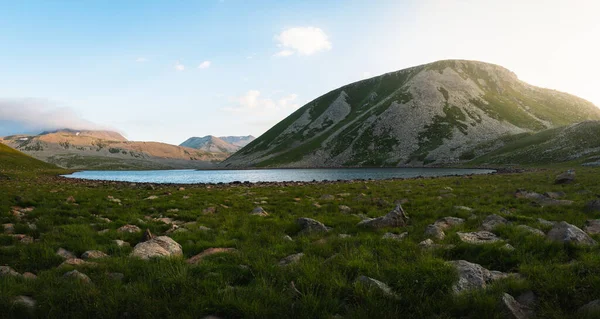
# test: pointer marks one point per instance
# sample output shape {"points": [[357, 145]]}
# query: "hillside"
{"points": [[226, 144], [109, 150], [430, 114], [13, 160]]}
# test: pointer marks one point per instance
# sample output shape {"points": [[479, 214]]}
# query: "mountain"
{"points": [[226, 144], [11, 159], [432, 114], [108, 150]]}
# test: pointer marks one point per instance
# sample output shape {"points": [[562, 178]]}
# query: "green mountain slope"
{"points": [[429, 114], [13, 160]]}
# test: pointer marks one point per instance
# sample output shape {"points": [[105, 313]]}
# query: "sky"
{"points": [[168, 70]]}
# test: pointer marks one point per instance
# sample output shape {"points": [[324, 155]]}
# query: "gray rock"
{"points": [[161, 246], [593, 206], [427, 243], [473, 276], [545, 222], [259, 211], [291, 259], [121, 243], [311, 226], [287, 237], [93, 254], [480, 237], [25, 302], [74, 274], [371, 283], [129, 229], [567, 177], [448, 222], [433, 231], [463, 208], [393, 236], [532, 230], [567, 233], [512, 308], [396, 218], [591, 308], [345, 209], [555, 195], [493, 221], [65, 253], [592, 226], [6, 271]]}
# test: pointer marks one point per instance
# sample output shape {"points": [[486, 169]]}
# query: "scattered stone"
{"points": [[6, 271], [121, 243], [448, 222], [343, 236], [545, 222], [493, 221], [463, 208], [152, 197], [592, 226], [71, 200], [113, 200], [287, 237], [161, 246], [567, 177], [310, 226], [434, 232], [93, 254], [26, 302], [479, 237], [9, 228], [74, 274], [532, 230], [209, 210], [129, 229], [75, 262], [555, 195], [204, 228], [393, 236], [23, 239], [396, 218], [291, 259], [327, 197], [567, 233], [473, 276], [29, 275], [512, 308], [508, 247], [344, 194], [165, 220], [593, 206], [259, 211], [371, 283], [345, 209], [591, 308], [427, 243], [209, 252]]}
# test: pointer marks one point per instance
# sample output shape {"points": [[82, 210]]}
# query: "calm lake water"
{"points": [[269, 175]]}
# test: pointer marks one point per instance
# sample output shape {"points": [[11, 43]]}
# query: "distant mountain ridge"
{"points": [[209, 143], [433, 114]]}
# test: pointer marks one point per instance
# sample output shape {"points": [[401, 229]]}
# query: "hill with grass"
{"points": [[109, 150], [225, 144], [432, 114]]}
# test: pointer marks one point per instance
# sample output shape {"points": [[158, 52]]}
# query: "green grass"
{"points": [[564, 277]]}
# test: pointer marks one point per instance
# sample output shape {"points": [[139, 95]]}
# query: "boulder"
{"points": [[393, 236], [129, 229], [593, 206], [6, 271], [310, 226], [74, 274], [480, 237], [93, 254], [512, 308], [473, 276], [592, 226], [433, 231], [493, 221], [532, 230], [161, 246], [259, 211], [567, 233], [291, 259], [209, 252], [396, 218], [567, 177], [371, 283], [448, 222]]}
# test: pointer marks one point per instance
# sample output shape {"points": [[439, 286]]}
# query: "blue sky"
{"points": [[168, 70]]}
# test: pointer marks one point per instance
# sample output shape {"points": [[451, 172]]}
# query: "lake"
{"points": [[270, 175]]}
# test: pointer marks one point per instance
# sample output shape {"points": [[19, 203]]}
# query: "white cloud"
{"points": [[179, 67], [141, 60], [252, 103], [204, 65], [303, 41], [366, 75]]}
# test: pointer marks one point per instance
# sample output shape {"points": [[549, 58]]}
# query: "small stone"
{"points": [[480, 237], [152, 197], [592, 226], [209, 210], [426, 243], [434, 232], [463, 208], [93, 254], [343, 236], [259, 211], [493, 221], [26, 302], [375, 284], [310, 226], [508, 247], [555, 195], [473, 276], [129, 229], [6, 271], [121, 243], [545, 222], [74, 274], [287, 237], [161, 246], [396, 218], [345, 209], [448, 222], [74, 262], [23, 239], [71, 200], [29, 275], [512, 308], [532, 230], [567, 233], [291, 259], [565, 178], [393, 236], [209, 252]]}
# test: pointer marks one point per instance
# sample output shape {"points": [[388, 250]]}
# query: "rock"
{"points": [[345, 209], [396, 218], [8, 228], [512, 308], [592, 226], [521, 193], [161, 246], [567, 233], [74, 274], [327, 197], [427, 243], [209, 210], [173, 210], [71, 200], [593, 206], [291, 259], [113, 200], [129, 229], [204, 228], [259, 211], [6, 271], [152, 197], [23, 239], [121, 243], [434, 232], [532, 230], [287, 237], [25, 302], [393, 236], [448, 222], [508, 247], [310, 226], [480, 237], [493, 221], [591, 308], [473, 276], [555, 195], [463, 208], [75, 262], [567, 177], [93, 254], [343, 236], [29, 275], [545, 222], [165, 220], [371, 283], [209, 252]]}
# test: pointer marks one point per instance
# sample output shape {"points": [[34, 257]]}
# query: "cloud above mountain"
{"points": [[302, 41], [35, 115]]}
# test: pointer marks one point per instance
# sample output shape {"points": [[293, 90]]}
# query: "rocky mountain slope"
{"points": [[108, 150], [432, 114], [226, 144]]}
